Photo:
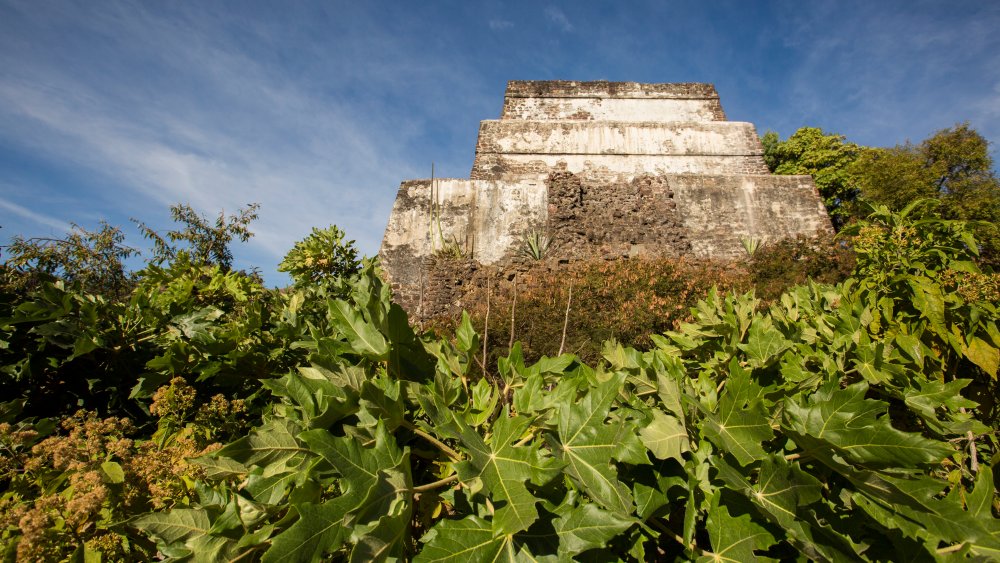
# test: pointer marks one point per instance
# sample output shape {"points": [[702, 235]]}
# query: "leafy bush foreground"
{"points": [[223, 422]]}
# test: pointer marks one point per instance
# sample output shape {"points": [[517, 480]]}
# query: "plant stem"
{"points": [[435, 484], [440, 445], [661, 527], [525, 440], [950, 549], [513, 304], [569, 301], [247, 552], [420, 299], [973, 454]]}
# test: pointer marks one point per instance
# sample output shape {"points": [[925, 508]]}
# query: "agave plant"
{"points": [[450, 249], [751, 245], [535, 244]]}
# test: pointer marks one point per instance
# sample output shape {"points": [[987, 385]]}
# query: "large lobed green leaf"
{"points": [[739, 425], [588, 443], [373, 510], [856, 427], [503, 468], [363, 336]]}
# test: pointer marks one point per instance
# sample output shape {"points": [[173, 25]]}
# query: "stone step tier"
{"points": [[562, 100], [516, 148], [698, 215]]}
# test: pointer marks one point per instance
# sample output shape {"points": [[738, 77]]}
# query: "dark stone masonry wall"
{"points": [[603, 88], [592, 216], [449, 280], [499, 167]]}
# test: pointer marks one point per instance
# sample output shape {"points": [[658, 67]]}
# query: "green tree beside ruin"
{"points": [[322, 255], [953, 166], [828, 158]]}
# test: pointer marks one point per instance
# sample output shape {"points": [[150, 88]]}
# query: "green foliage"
{"points": [[894, 176], [731, 438], [836, 423], [953, 165], [203, 241], [64, 349], [751, 245], [67, 349], [449, 248], [915, 270], [91, 260], [827, 157], [321, 256]]}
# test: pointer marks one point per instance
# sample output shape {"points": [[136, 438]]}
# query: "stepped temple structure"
{"points": [[599, 170]]}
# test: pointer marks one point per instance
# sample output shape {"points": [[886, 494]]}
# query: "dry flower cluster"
{"points": [[66, 492]]}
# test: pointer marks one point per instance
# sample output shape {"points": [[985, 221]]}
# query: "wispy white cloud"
{"points": [[558, 17], [36, 217], [317, 110], [231, 130], [989, 105], [882, 73]]}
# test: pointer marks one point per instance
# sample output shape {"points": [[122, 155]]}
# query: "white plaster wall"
{"points": [[768, 208], [504, 213], [627, 164], [612, 109], [410, 220], [484, 216], [546, 137]]}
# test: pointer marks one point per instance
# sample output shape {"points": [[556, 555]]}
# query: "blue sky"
{"points": [[317, 110]]}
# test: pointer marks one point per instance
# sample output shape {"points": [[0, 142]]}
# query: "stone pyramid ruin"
{"points": [[598, 170]]}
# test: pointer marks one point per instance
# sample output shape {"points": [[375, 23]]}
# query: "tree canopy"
{"points": [[322, 255], [205, 242], [826, 157], [92, 259], [953, 166]]}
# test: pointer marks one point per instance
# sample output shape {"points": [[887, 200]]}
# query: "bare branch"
{"points": [[569, 301]]}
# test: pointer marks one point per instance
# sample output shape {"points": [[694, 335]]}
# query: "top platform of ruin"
{"points": [[605, 89]]}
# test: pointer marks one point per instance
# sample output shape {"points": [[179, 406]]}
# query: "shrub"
{"points": [[625, 300], [629, 300], [779, 265], [67, 491], [322, 255]]}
